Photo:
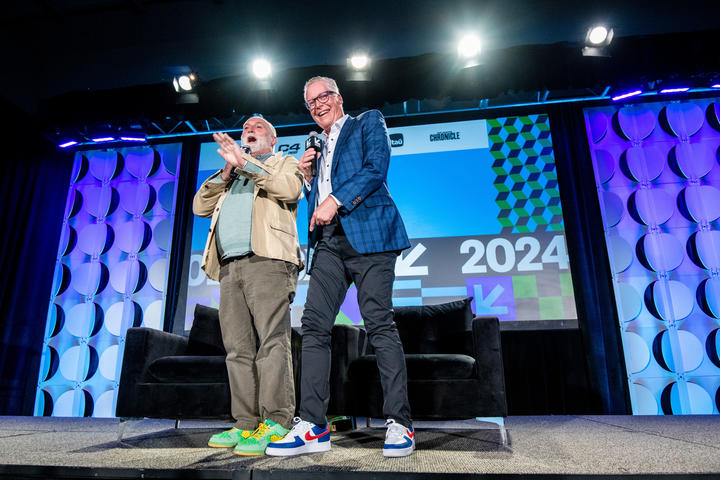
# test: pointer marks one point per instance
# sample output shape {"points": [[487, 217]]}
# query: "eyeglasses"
{"points": [[322, 98]]}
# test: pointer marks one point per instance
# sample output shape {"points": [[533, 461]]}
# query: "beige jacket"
{"points": [[274, 214]]}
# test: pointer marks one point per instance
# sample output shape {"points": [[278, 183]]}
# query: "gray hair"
{"points": [[270, 125], [331, 84]]}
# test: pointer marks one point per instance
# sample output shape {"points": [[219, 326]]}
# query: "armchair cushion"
{"points": [[189, 369], [205, 337], [428, 366], [436, 328]]}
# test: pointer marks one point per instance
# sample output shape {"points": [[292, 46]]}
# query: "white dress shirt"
{"points": [[324, 182]]}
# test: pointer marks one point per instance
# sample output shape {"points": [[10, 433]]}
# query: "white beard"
{"points": [[261, 144]]}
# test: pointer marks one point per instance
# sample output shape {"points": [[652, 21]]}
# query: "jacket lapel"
{"points": [[342, 138]]}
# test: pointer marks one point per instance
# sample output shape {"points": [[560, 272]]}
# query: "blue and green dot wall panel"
{"points": [[110, 274], [658, 182]]}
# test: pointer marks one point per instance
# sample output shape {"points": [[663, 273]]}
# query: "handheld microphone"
{"points": [[315, 143]]}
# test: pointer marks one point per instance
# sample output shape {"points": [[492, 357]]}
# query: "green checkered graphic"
{"points": [[545, 297], [526, 181]]}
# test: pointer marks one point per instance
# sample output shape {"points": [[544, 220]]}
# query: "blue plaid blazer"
{"points": [[368, 214]]}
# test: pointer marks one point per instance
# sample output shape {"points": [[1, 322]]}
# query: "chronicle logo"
{"points": [[397, 140], [443, 136]]}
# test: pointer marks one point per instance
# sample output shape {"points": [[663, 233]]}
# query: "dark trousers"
{"points": [[336, 265]]}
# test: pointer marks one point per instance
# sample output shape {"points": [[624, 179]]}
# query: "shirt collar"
{"points": [[337, 126]]}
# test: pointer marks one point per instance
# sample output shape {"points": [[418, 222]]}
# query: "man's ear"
{"points": [[274, 141]]}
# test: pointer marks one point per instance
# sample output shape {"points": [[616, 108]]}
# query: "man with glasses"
{"points": [[356, 233], [253, 251]]}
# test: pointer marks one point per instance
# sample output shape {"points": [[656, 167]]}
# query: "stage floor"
{"points": [[553, 446]]}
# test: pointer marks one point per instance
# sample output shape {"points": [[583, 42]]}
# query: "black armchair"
{"points": [[172, 376], [454, 365]]}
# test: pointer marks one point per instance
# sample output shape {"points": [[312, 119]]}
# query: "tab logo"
{"points": [[444, 136], [397, 140]]}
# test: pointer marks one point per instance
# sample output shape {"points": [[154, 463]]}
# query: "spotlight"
{"points": [[469, 50], [597, 41], [184, 83], [68, 144], [358, 68], [675, 90], [469, 46], [359, 61], [716, 85], [261, 68]]}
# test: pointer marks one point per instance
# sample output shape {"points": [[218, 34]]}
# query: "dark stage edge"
{"points": [[554, 447]]}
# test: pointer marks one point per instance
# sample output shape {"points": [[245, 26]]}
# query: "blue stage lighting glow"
{"points": [[717, 85], [133, 139], [68, 144], [627, 95], [103, 139], [675, 90]]}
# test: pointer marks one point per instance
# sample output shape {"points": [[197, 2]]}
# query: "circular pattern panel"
{"points": [[702, 202], [156, 275], [153, 315], [643, 401], [653, 206], [89, 278], [710, 291], [636, 122], [614, 208], [132, 236], [136, 198], [695, 160], [671, 300], [105, 165], [637, 353], [598, 124], [644, 164], [79, 363], [680, 353], [694, 399], [128, 276], [104, 405], [707, 245], [84, 319], [162, 233], [166, 194], [141, 162], [121, 316], [630, 301], [661, 252], [96, 239], [100, 201], [109, 362], [684, 119]]}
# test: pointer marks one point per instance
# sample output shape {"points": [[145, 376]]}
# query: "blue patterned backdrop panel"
{"points": [[657, 172], [110, 274]]}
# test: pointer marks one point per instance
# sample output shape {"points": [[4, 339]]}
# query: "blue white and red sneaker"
{"points": [[304, 437], [399, 440]]}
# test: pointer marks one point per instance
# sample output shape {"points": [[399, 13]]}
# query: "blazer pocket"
{"points": [[282, 229], [377, 200]]}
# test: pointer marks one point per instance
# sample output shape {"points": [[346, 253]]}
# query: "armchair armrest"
{"points": [[347, 343], [142, 346], [487, 351]]}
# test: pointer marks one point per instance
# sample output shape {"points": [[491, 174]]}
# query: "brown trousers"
{"points": [[255, 297]]}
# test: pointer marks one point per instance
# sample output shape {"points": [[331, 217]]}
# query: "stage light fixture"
{"points": [[184, 83], [359, 61], [68, 144], [261, 68], [469, 50], [358, 68], [675, 90], [717, 85], [103, 139], [469, 46], [623, 96], [597, 41]]}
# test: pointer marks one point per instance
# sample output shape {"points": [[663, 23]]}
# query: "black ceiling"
{"points": [[78, 62]]}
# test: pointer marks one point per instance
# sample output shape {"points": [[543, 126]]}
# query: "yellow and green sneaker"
{"points": [[255, 444], [229, 438]]}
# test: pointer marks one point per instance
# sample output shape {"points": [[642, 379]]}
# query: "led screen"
{"points": [[481, 206]]}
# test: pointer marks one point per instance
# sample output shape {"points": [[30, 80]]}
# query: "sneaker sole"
{"points": [[397, 452], [287, 452], [217, 445], [247, 454]]}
